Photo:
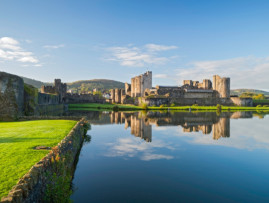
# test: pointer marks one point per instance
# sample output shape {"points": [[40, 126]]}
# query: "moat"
{"points": [[174, 156]]}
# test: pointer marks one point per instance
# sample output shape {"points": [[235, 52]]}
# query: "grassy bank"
{"points": [[121, 107], [17, 142]]}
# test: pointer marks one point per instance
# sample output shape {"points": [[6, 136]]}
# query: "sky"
{"points": [[105, 39]]}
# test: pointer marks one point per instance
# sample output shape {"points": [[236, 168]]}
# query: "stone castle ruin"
{"points": [[59, 88], [191, 92], [18, 98]]}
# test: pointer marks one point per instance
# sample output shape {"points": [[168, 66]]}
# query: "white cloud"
{"points": [[28, 41], [245, 72], [134, 147], [157, 47], [149, 157], [54, 46], [139, 56], [163, 76], [10, 50]]}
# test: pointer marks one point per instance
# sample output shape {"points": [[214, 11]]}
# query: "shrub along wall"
{"points": [[49, 180]]}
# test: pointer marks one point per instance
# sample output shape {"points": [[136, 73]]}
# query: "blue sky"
{"points": [[76, 40]]}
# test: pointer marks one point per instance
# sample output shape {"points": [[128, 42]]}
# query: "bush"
{"points": [[161, 106], [219, 107], [265, 105], [144, 106], [195, 105], [258, 106], [115, 108], [173, 105]]}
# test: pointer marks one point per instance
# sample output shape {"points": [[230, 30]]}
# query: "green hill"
{"points": [[89, 85], [240, 91], [34, 83], [82, 85]]}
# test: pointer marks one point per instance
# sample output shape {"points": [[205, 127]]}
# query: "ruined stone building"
{"points": [[136, 89], [191, 92], [140, 83], [59, 88]]}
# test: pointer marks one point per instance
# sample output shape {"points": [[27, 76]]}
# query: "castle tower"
{"points": [[222, 86], [57, 85], [117, 95], [140, 83], [112, 92], [127, 89]]}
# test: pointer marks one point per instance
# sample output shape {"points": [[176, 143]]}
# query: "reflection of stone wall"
{"points": [[140, 129], [205, 122], [221, 129]]}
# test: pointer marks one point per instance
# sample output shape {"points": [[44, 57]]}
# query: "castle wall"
{"points": [[122, 96], [175, 92], [188, 82], [117, 95], [242, 101], [112, 92], [222, 86], [208, 101], [195, 95], [128, 89], [48, 99], [132, 87], [83, 98], [146, 82], [58, 88], [48, 89], [140, 83], [11, 95], [207, 84]]}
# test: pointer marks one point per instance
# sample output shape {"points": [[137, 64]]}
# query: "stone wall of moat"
{"points": [[11, 95], [37, 184]]}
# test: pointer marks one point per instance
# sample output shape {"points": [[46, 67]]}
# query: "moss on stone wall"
{"points": [[30, 99], [8, 104]]}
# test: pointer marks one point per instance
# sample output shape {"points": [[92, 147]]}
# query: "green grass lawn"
{"points": [[122, 107], [17, 140], [261, 101]]}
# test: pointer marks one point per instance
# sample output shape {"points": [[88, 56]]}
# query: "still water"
{"points": [[174, 157]]}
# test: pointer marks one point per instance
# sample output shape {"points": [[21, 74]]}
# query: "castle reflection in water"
{"points": [[141, 122]]}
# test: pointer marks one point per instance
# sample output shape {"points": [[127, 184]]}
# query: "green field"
{"points": [[261, 101], [123, 107], [17, 140]]}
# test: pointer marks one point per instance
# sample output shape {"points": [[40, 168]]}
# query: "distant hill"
{"points": [[34, 83], [100, 84], [240, 91], [82, 85]]}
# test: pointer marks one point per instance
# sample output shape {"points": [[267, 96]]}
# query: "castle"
{"points": [[191, 92], [59, 88]]}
